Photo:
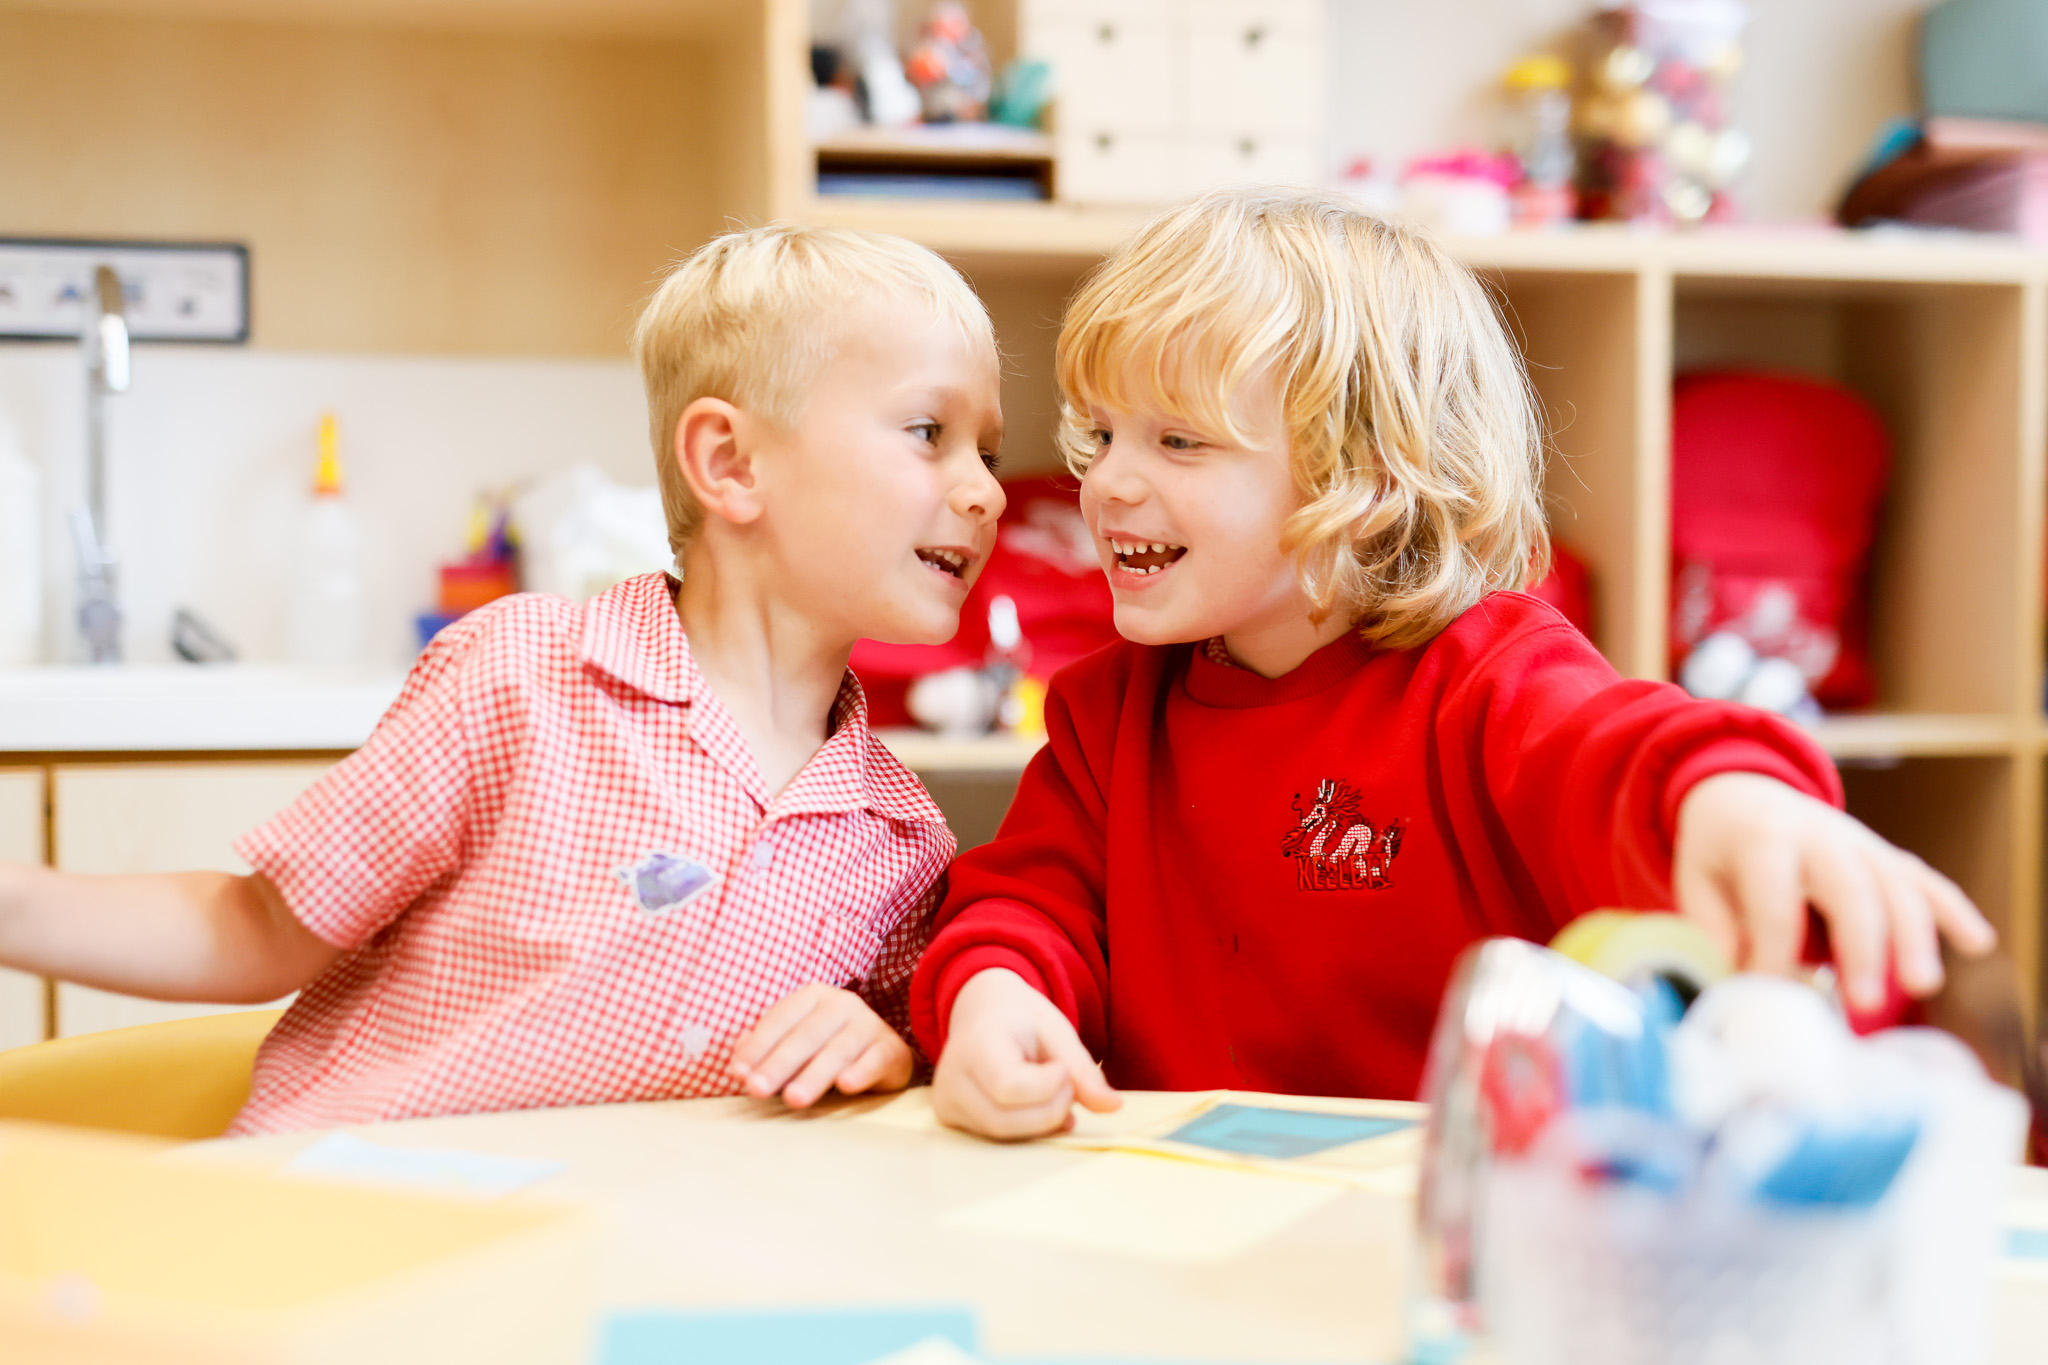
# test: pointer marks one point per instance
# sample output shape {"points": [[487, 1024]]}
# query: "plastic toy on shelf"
{"points": [[1656, 143]]}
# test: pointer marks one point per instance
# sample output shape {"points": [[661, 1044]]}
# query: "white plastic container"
{"points": [[21, 554], [325, 621]]}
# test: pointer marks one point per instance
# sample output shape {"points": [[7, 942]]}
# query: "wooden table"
{"points": [[735, 1203]]}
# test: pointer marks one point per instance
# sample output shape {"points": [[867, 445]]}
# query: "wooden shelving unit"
{"points": [[1947, 336]]}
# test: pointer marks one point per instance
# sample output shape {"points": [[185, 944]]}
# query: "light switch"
{"points": [[173, 291]]}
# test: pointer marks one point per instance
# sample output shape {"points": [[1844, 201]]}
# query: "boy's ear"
{"points": [[716, 458]]}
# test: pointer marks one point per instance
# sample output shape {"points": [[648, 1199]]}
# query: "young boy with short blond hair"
{"points": [[1337, 747], [645, 847]]}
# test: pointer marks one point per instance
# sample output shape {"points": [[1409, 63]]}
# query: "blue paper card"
{"points": [[344, 1156], [1251, 1130], [2026, 1244], [779, 1337]]}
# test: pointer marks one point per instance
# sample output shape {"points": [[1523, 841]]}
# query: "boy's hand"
{"points": [[1013, 1065], [1752, 854], [815, 1039]]}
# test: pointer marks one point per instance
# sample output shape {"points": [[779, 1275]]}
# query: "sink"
{"points": [[186, 708]]}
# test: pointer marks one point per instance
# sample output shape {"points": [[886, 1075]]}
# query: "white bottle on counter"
{"points": [[325, 624], [21, 554]]}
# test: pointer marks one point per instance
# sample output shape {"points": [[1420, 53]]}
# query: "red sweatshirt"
{"points": [[1225, 880]]}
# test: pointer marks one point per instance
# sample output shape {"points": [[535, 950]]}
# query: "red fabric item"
{"points": [[1230, 881], [1045, 562], [557, 878], [1568, 587], [1776, 481]]}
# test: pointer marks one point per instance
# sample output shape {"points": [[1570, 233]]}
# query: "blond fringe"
{"points": [[1416, 441]]}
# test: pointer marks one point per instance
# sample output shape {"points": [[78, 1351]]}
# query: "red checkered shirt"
{"points": [[556, 877]]}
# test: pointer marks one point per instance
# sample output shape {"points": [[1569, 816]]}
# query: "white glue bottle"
{"points": [[21, 554], [326, 617]]}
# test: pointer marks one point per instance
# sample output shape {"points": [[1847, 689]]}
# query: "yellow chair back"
{"points": [[185, 1079]]}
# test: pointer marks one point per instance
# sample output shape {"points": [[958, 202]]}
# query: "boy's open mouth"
{"points": [[945, 561], [1141, 556]]}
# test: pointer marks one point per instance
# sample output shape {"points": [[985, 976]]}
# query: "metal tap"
{"points": [[106, 364]]}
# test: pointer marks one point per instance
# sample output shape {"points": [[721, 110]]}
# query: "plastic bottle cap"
{"points": [[327, 474], [1539, 73]]}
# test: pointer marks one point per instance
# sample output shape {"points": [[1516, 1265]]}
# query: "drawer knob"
{"points": [[1254, 35], [1104, 141], [1106, 32], [1247, 147]]}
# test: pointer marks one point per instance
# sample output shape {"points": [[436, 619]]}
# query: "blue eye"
{"points": [[1102, 437], [928, 432]]}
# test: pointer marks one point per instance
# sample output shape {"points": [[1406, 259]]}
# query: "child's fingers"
{"points": [[884, 1065], [797, 1047], [1090, 1089], [1848, 898], [1702, 900], [1916, 947], [832, 1056], [774, 1024], [1046, 1114], [1958, 918], [1770, 907]]}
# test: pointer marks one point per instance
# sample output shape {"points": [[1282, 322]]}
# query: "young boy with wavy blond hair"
{"points": [[1338, 746], [643, 847]]}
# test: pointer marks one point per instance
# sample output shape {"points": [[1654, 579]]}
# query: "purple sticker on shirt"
{"points": [[662, 882]]}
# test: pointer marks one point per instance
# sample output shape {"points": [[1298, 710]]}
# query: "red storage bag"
{"points": [[1045, 562], [1776, 482]]}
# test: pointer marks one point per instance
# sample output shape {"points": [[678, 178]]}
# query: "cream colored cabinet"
{"points": [[21, 841], [158, 817]]}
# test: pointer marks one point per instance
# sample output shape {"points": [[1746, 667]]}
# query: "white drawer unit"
{"points": [[1115, 75], [1158, 100], [21, 841], [1121, 168], [1250, 159], [1255, 77], [159, 817]]}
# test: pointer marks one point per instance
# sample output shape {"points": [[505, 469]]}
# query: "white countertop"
{"points": [[187, 708], [258, 708]]}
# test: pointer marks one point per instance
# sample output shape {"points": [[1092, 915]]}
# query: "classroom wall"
{"points": [[451, 192], [1821, 76]]}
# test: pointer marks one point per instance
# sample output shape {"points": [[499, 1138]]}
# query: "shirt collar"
{"points": [[634, 634]]}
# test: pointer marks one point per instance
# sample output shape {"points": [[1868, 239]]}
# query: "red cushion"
{"points": [[1776, 482]]}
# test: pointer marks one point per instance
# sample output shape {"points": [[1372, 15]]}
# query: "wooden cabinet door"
{"points": [[21, 841], [159, 817]]}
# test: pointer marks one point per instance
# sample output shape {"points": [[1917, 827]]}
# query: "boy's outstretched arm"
{"points": [[174, 936], [1751, 854]]}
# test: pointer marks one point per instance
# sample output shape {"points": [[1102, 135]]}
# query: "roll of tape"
{"points": [[1631, 947]]}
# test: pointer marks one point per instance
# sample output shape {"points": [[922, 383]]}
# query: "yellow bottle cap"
{"points": [[1541, 72], [327, 474]]}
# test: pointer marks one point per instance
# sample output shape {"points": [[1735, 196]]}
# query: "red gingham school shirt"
{"points": [[556, 877]]}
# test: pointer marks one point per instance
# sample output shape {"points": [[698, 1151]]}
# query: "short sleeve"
{"points": [[388, 821]]}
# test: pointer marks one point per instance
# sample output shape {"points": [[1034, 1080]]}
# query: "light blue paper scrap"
{"points": [[1254, 1130], [801, 1336], [2026, 1244], [344, 1156]]}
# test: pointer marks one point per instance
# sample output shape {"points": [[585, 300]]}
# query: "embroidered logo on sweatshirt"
{"points": [[1335, 848], [662, 882]]}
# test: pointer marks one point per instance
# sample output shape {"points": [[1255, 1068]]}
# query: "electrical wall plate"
{"points": [[175, 291]]}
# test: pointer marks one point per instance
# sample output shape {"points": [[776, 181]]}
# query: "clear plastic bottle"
{"points": [[326, 616], [21, 554]]}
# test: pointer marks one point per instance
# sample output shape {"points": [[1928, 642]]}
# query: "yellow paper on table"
{"points": [[1136, 1205], [109, 1252]]}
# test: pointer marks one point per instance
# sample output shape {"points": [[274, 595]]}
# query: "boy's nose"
{"points": [[981, 497]]}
